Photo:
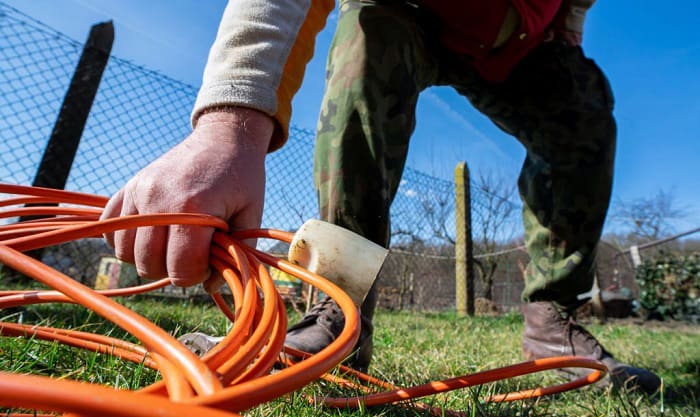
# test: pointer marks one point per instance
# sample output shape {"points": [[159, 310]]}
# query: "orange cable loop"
{"points": [[233, 376]]}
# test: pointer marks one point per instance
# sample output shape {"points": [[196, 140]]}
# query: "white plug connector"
{"points": [[345, 258]]}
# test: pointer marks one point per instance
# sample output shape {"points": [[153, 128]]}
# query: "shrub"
{"points": [[670, 286]]}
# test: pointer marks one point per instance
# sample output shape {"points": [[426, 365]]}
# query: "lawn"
{"points": [[410, 348]]}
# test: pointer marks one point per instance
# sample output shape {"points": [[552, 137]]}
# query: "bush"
{"points": [[670, 286]]}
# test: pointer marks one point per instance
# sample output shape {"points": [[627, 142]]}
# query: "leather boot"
{"points": [[324, 322], [549, 332], [199, 343]]}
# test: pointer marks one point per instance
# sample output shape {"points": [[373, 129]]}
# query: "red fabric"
{"points": [[470, 27]]}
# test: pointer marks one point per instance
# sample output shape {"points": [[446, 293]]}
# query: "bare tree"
{"points": [[301, 212], [437, 211], [648, 218], [493, 215], [429, 227]]}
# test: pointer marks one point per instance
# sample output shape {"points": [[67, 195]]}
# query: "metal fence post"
{"points": [[62, 146], [464, 267]]}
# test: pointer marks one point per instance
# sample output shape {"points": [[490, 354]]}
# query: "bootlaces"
{"points": [[572, 329], [326, 308]]}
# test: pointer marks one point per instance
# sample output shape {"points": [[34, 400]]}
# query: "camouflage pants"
{"points": [[556, 103]]}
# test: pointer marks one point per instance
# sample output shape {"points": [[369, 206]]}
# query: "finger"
{"points": [[124, 239], [187, 254], [248, 218], [149, 252], [111, 210], [214, 282]]}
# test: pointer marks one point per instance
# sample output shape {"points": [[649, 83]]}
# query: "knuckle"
{"points": [[147, 191], [149, 273], [188, 277]]}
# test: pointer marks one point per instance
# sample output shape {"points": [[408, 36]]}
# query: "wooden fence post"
{"points": [[464, 267]]}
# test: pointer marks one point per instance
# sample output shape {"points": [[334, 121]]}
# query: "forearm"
{"points": [[575, 14], [259, 56], [570, 20]]}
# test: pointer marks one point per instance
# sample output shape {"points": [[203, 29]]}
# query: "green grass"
{"points": [[410, 348]]}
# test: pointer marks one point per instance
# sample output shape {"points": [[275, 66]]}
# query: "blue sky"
{"points": [[649, 50]]}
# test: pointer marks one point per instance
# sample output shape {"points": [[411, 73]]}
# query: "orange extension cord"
{"points": [[236, 374]]}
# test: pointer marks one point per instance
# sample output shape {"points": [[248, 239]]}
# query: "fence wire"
{"points": [[138, 114]]}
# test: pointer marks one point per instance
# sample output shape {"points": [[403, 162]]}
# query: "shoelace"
{"points": [[324, 307], [572, 328]]}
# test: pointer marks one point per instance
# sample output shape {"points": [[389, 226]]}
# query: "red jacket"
{"points": [[496, 34]]}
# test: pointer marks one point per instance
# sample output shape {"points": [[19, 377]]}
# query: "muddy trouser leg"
{"points": [[377, 65], [558, 104]]}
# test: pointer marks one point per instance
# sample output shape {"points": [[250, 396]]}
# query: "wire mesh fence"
{"points": [[617, 263], [138, 114]]}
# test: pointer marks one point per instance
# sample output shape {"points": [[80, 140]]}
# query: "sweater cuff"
{"points": [[242, 94]]}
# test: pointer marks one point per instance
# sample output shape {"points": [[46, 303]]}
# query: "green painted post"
{"points": [[464, 267]]}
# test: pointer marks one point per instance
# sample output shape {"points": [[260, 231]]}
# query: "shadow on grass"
{"points": [[76, 317], [685, 392], [469, 402]]}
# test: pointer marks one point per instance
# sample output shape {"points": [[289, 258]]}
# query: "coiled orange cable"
{"points": [[232, 377]]}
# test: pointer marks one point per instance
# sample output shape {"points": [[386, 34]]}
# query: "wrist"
{"points": [[236, 125]]}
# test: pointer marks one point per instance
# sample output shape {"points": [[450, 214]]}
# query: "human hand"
{"points": [[218, 170]]}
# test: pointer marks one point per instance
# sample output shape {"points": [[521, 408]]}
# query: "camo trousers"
{"points": [[557, 103]]}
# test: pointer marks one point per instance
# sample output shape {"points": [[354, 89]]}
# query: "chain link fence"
{"points": [[138, 114], [617, 263]]}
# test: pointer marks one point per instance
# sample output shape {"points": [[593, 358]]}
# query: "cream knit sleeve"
{"points": [[259, 57]]}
